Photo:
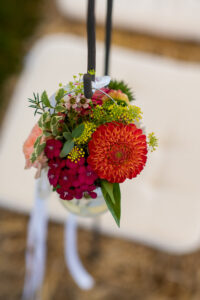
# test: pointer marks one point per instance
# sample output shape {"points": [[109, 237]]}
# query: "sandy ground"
{"points": [[122, 269]]}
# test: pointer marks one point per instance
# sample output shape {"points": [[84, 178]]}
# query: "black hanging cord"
{"points": [[108, 35], [91, 42], [91, 34]]}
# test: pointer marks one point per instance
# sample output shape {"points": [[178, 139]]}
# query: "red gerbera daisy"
{"points": [[117, 151]]}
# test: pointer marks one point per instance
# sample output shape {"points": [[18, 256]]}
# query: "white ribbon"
{"points": [[36, 242], [77, 271], [36, 246]]}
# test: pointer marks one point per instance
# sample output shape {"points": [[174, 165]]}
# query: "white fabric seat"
{"points": [[161, 207], [176, 19]]}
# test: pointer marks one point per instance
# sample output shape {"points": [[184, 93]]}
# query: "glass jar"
{"points": [[87, 207]]}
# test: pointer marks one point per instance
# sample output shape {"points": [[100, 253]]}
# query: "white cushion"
{"points": [[160, 207], [173, 18]]}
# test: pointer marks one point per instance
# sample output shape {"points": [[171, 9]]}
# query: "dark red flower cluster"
{"points": [[72, 179]]}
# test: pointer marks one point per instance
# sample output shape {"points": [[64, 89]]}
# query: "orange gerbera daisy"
{"points": [[117, 151]]}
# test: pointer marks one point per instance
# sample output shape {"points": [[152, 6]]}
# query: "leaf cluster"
{"points": [[38, 148], [40, 103], [112, 195], [70, 136]]}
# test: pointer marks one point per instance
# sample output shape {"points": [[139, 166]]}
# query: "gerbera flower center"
{"points": [[119, 154]]}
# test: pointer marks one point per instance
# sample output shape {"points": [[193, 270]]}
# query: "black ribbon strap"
{"points": [[91, 42], [108, 35]]}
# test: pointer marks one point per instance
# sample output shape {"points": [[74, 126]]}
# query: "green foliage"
{"points": [[40, 104], [121, 85], [44, 121], [152, 141], [68, 146], [60, 108], [55, 125], [78, 131], [60, 94], [45, 100], [110, 112], [112, 196], [37, 104], [68, 136], [38, 149]]}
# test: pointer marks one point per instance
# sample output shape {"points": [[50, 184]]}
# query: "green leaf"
{"points": [[33, 157], [78, 131], [45, 99], [54, 125], [60, 108], [37, 142], [46, 133], [115, 208], [65, 128], [39, 149], [33, 106], [109, 189], [67, 136], [60, 94], [116, 192], [57, 187], [68, 146]]}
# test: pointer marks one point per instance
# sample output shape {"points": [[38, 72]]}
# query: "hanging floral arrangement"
{"points": [[87, 144]]}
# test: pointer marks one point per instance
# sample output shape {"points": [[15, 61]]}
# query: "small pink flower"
{"points": [[78, 194], [81, 161], [56, 163], [65, 193], [87, 175], [93, 195], [53, 148], [66, 179], [84, 102], [53, 176], [88, 188], [71, 165], [68, 106]]}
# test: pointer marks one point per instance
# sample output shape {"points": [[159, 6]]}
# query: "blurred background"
{"points": [[156, 49]]}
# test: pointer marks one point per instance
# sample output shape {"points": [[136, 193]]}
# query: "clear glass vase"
{"points": [[87, 207]]}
